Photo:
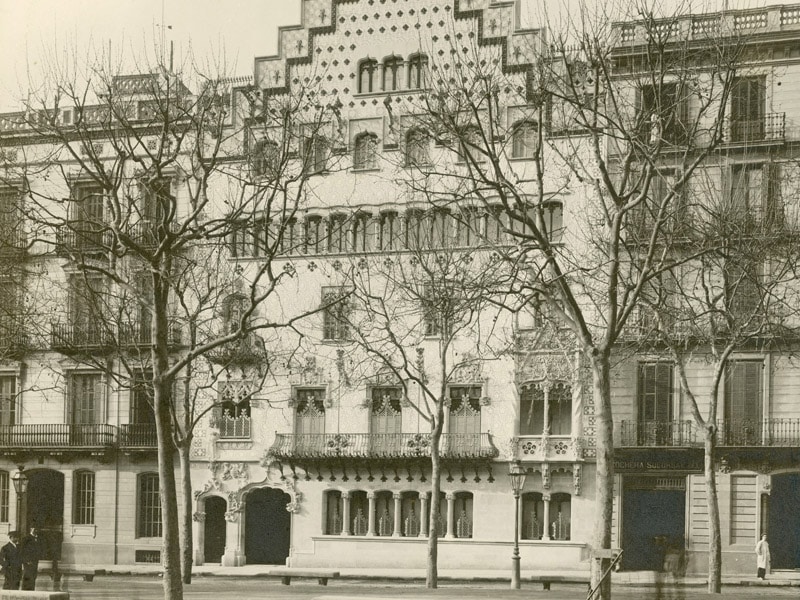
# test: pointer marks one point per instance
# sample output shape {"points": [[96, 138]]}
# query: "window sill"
{"points": [[83, 531], [235, 443], [365, 169], [514, 159], [384, 93]]}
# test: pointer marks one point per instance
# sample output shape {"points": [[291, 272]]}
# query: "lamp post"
{"points": [[516, 475], [20, 481]]}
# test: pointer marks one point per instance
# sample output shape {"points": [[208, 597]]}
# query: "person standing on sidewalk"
{"points": [[30, 553], [11, 562], [762, 557]]}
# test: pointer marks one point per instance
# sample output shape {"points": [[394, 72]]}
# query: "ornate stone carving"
{"points": [[307, 372], [235, 471], [469, 370], [199, 517], [545, 476], [576, 478]]}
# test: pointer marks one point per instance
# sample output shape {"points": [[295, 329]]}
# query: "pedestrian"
{"points": [[11, 562], [762, 557], [30, 553]]}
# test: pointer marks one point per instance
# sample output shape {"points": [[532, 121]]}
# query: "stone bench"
{"points": [[286, 575], [29, 595], [547, 580]]}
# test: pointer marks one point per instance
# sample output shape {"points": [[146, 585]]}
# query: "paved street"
{"points": [[142, 587]]}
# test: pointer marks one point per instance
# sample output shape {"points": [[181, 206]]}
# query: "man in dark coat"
{"points": [[30, 553], [11, 561]]}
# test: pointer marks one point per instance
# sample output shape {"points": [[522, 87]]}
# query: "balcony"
{"points": [[69, 338], [13, 241], [141, 334], [14, 341], [770, 128], [54, 436], [657, 434], [138, 435], [556, 448], [82, 238], [390, 446], [740, 433]]}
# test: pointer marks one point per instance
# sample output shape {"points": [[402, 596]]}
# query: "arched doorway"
{"points": [[214, 534], [44, 501], [267, 527], [784, 521]]}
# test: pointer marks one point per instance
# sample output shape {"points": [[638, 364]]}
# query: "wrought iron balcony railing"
{"points": [[657, 434], [69, 337], [82, 238], [13, 240], [381, 446], [137, 435], [57, 436], [731, 433], [769, 128], [141, 334]]}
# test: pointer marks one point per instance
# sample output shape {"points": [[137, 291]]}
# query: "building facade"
{"points": [[322, 459]]}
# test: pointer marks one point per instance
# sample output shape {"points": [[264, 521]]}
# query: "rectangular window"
{"points": [[743, 509], [743, 402], [748, 109], [86, 398], [8, 400], [663, 114], [83, 504], [4, 480], [148, 506], [142, 399], [655, 395], [335, 316], [310, 414]]}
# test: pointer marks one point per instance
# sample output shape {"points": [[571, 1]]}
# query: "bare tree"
{"points": [[152, 191], [740, 295], [567, 144]]}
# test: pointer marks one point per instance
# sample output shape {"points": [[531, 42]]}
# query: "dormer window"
{"points": [[367, 72], [392, 69], [417, 66]]}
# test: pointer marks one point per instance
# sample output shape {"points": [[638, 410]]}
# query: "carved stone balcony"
{"points": [[376, 447], [549, 448]]}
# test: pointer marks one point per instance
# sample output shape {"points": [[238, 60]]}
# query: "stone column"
{"points": [[397, 513], [234, 540], [199, 535], [345, 514], [423, 516], [451, 506], [546, 517], [371, 516]]}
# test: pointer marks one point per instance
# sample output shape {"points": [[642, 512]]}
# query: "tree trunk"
{"points": [[604, 477], [187, 541], [432, 574], [715, 539], [170, 559]]}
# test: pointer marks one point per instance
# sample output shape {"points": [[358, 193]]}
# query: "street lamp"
{"points": [[20, 481], [516, 475]]}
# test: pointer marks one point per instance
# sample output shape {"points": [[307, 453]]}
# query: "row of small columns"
{"points": [[545, 516], [398, 498]]}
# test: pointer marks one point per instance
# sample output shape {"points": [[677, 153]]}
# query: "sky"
{"points": [[35, 34]]}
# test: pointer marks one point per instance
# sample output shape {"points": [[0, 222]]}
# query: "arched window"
{"points": [[333, 512], [560, 516], [232, 415], [233, 311], [363, 234], [464, 419], [417, 67], [532, 516], [384, 513], [392, 73], [415, 236], [83, 498], [386, 418], [462, 528], [314, 234], [365, 155], [410, 514], [417, 148], [390, 234], [337, 233], [367, 73], [309, 412], [359, 513], [525, 138], [265, 158]]}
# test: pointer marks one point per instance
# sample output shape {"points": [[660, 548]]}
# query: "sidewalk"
{"points": [[637, 578]]}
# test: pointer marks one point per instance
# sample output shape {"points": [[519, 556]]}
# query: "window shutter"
{"points": [[663, 409], [774, 202]]}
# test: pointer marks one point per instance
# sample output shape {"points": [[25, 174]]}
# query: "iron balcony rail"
{"points": [[769, 128], [783, 432], [137, 435], [381, 445], [69, 336], [141, 334], [82, 238], [57, 436]]}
